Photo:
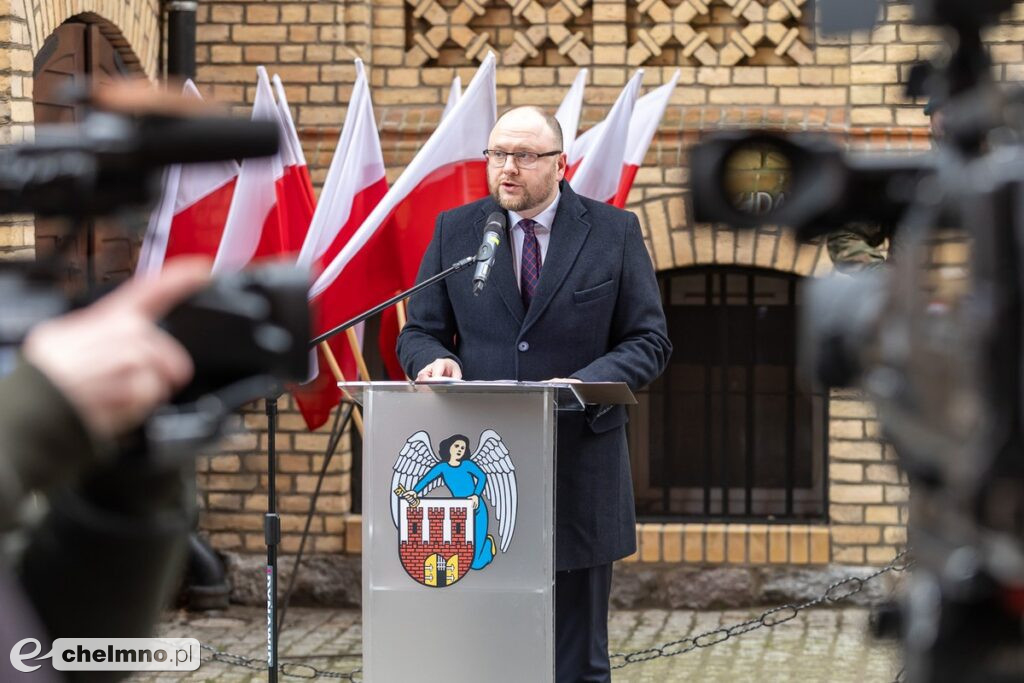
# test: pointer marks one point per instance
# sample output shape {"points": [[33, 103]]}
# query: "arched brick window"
{"points": [[729, 430]]}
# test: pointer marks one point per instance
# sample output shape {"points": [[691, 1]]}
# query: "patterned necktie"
{"points": [[529, 271]]}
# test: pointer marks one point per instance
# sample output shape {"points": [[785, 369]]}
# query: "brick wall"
{"points": [[233, 485], [742, 63]]}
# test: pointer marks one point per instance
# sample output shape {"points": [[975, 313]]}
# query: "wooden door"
{"points": [[102, 251]]}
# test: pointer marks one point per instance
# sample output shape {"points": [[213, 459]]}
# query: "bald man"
{"points": [[572, 295]]}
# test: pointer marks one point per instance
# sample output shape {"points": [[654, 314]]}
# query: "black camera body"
{"points": [[247, 333], [939, 350], [247, 324], [111, 161]]}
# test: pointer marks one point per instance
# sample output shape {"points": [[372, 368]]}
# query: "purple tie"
{"points": [[529, 272]]}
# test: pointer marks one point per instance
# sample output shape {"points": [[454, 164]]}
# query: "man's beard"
{"points": [[527, 200]]}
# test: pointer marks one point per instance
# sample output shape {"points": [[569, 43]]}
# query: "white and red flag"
{"points": [[597, 155], [190, 217], [296, 171], [448, 171], [643, 125], [257, 226], [454, 95], [354, 185], [568, 113]]}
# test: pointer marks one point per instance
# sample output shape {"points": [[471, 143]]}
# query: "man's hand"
{"points": [[442, 368], [110, 360], [411, 498], [476, 501]]}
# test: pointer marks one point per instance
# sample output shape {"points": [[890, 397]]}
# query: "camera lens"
{"points": [[757, 178]]}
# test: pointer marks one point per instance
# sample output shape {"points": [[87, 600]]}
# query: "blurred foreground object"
{"points": [[115, 157], [939, 348]]}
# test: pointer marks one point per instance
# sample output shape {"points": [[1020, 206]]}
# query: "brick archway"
{"points": [[675, 241], [133, 27]]}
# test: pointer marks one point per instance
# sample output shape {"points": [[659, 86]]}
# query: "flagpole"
{"points": [[339, 377], [357, 353], [400, 312]]}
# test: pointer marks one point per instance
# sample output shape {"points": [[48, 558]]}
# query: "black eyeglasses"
{"points": [[497, 157]]}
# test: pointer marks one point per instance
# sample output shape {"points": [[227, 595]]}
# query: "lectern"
{"points": [[458, 527]]}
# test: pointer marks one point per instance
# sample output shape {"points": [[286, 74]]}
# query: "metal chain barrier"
{"points": [[770, 618], [836, 592], [290, 669]]}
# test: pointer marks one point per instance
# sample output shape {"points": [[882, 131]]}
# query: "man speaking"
{"points": [[571, 294]]}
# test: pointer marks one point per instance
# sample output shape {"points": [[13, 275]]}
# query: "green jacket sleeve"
{"points": [[44, 442], [857, 249]]}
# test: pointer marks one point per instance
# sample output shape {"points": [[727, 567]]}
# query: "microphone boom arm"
{"points": [[454, 268]]}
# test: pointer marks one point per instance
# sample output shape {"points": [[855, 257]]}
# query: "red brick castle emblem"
{"points": [[441, 538], [436, 540]]}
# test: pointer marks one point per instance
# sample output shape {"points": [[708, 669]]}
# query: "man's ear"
{"points": [[561, 166]]}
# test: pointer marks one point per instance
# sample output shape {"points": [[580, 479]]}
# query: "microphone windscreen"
{"points": [[496, 222]]}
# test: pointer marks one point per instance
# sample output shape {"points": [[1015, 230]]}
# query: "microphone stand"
{"points": [[272, 520], [272, 536], [454, 268]]}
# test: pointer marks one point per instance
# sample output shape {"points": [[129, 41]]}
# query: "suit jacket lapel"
{"points": [[568, 234], [503, 275]]}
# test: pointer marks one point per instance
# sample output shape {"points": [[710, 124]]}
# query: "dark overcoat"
{"points": [[596, 316]]}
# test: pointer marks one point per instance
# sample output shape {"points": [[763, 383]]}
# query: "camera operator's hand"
{"points": [[110, 360]]}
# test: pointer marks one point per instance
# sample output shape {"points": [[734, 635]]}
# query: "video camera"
{"points": [[115, 159], [939, 348]]}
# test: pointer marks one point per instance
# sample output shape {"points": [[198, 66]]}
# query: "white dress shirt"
{"points": [[544, 220]]}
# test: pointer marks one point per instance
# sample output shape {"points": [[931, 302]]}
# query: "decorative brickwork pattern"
{"points": [[445, 25], [547, 24], [536, 32], [756, 23]]}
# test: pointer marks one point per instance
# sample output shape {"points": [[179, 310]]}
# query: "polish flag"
{"points": [[642, 126], [296, 171], [448, 171], [354, 185], [257, 225], [568, 113], [454, 94], [190, 217], [598, 155]]}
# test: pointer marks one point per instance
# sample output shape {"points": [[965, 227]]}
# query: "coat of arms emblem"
{"points": [[441, 538]]}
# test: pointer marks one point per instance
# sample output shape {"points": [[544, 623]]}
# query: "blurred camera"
{"points": [[246, 333], [815, 186], [939, 348]]}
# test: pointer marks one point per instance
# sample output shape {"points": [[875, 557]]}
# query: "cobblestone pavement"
{"points": [[819, 645]]}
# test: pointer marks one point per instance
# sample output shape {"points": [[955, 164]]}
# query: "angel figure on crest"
{"points": [[486, 476]]}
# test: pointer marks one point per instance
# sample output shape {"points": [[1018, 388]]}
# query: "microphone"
{"points": [[488, 249]]}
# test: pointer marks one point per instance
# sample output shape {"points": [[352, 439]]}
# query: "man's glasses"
{"points": [[497, 157]]}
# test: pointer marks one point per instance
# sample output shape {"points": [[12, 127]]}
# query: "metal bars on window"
{"points": [[729, 431]]}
